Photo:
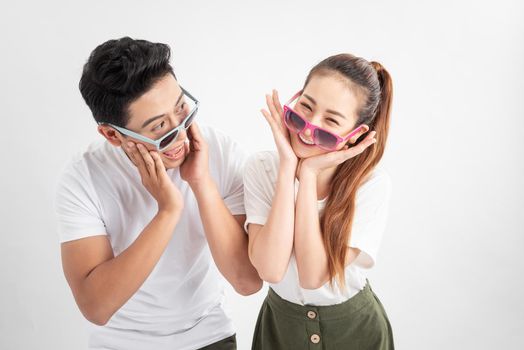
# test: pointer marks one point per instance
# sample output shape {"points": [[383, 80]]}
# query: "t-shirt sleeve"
{"points": [[370, 219], [77, 206], [229, 170], [258, 188]]}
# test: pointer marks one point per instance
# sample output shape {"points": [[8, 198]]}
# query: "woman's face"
{"points": [[327, 102]]}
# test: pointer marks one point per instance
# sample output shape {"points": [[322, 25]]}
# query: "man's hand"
{"points": [[154, 177], [195, 168]]}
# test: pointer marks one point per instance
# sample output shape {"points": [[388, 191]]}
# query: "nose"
{"points": [[307, 132]]}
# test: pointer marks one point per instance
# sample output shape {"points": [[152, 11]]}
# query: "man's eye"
{"points": [[181, 108], [159, 126]]}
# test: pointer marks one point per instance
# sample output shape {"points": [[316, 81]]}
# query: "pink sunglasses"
{"points": [[321, 137]]}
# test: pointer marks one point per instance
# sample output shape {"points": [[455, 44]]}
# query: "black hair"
{"points": [[120, 71]]}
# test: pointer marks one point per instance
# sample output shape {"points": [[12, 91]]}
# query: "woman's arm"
{"points": [[271, 244], [310, 251]]}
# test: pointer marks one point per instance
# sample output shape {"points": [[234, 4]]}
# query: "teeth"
{"points": [[306, 141], [173, 152]]}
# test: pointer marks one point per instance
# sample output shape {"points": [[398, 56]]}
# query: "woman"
{"points": [[317, 208]]}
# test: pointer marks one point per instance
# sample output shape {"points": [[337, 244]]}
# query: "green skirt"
{"points": [[358, 323]]}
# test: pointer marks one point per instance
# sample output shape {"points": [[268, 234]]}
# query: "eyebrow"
{"points": [[152, 119], [327, 110]]}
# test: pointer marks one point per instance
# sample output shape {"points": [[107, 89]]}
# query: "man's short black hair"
{"points": [[120, 71]]}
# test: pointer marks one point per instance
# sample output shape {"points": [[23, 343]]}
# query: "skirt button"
{"points": [[315, 338]]}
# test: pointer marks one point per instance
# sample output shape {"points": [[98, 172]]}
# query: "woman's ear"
{"points": [[111, 135], [359, 131]]}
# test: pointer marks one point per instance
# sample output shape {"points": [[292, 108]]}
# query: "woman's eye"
{"points": [[331, 120], [306, 106]]}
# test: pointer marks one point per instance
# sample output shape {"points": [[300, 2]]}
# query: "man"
{"points": [[144, 214]]}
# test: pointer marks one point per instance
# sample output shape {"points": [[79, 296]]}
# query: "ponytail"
{"points": [[337, 218]]}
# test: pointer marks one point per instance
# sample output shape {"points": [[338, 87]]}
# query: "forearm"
{"points": [[227, 240], [310, 253], [272, 245], [111, 284]]}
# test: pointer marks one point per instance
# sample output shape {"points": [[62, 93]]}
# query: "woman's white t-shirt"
{"points": [[369, 223]]}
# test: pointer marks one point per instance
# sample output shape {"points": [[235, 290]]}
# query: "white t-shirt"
{"points": [[369, 222], [180, 304]]}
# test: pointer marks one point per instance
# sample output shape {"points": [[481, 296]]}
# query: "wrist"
{"points": [[169, 214], [288, 165], [307, 172], [202, 185]]}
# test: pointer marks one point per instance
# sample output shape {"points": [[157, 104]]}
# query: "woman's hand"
{"points": [[154, 177], [275, 118], [328, 160]]}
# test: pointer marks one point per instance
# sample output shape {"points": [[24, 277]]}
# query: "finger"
{"points": [[148, 160], [159, 165], [139, 161], [197, 138], [276, 102], [268, 117], [195, 131], [127, 148], [361, 147], [272, 108], [371, 135]]}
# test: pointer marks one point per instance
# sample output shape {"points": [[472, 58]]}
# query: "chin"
{"points": [[172, 164]]}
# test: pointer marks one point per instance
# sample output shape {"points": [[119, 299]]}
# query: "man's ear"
{"points": [[362, 129], [111, 135]]}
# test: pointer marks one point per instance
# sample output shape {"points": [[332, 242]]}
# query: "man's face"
{"points": [[155, 113]]}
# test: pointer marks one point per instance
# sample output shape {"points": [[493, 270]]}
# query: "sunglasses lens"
{"points": [[294, 121], [168, 140], [325, 139], [189, 121]]}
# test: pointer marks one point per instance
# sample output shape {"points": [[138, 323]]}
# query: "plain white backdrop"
{"points": [[450, 270]]}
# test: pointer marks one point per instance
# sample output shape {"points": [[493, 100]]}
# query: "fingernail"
{"points": [[130, 144]]}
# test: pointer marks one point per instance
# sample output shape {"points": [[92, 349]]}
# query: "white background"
{"points": [[450, 270]]}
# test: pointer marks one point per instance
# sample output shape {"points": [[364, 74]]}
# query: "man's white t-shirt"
{"points": [[369, 223], [180, 304]]}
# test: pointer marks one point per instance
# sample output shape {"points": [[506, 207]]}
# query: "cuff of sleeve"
{"points": [[366, 259], [74, 235], [259, 220]]}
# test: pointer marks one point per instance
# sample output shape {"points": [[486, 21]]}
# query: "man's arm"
{"points": [[224, 232], [226, 238], [102, 283]]}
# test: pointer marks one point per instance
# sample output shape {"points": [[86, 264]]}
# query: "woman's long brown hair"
{"points": [[373, 87]]}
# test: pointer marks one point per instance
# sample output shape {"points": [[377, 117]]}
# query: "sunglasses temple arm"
{"points": [[294, 97], [353, 133]]}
